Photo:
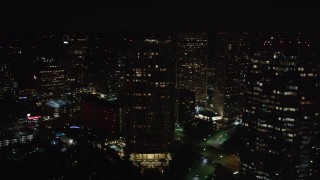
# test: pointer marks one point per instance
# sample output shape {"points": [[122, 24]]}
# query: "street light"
{"points": [[204, 149]]}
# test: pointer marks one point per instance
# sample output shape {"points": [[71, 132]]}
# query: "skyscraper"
{"points": [[149, 83], [228, 88], [281, 118], [76, 62], [51, 78], [10, 49], [110, 51], [192, 58], [6, 81], [185, 108]]}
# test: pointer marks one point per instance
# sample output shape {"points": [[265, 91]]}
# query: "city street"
{"points": [[210, 153]]}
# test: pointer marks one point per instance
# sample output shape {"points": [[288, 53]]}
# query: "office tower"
{"points": [[51, 78], [49, 74], [110, 51], [281, 117], [76, 62], [192, 58], [231, 59], [10, 50], [7, 85], [185, 106], [9, 109], [149, 83]]}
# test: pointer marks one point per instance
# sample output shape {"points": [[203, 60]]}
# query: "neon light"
{"points": [[34, 117], [75, 127]]}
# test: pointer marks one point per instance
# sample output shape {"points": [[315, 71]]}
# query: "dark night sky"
{"points": [[160, 15]]}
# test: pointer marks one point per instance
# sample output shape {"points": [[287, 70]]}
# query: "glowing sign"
{"points": [[75, 127], [65, 42], [58, 134], [34, 117]]}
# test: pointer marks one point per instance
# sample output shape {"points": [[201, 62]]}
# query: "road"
{"points": [[217, 139], [200, 169], [211, 151]]}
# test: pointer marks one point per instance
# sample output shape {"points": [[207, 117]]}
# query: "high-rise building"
{"points": [[191, 65], [149, 83], [51, 78], [109, 53], [228, 88], [76, 62], [7, 85], [185, 106], [281, 117], [103, 114], [10, 49]]}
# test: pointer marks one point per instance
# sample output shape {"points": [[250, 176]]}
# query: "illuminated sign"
{"points": [[34, 117], [75, 127], [58, 134]]}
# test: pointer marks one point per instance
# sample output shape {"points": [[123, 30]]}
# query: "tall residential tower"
{"points": [[149, 83]]}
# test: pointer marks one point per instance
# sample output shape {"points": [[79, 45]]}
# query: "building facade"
{"points": [[51, 78], [185, 107], [149, 83], [7, 85], [281, 117], [191, 65], [231, 59], [102, 115], [76, 62]]}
